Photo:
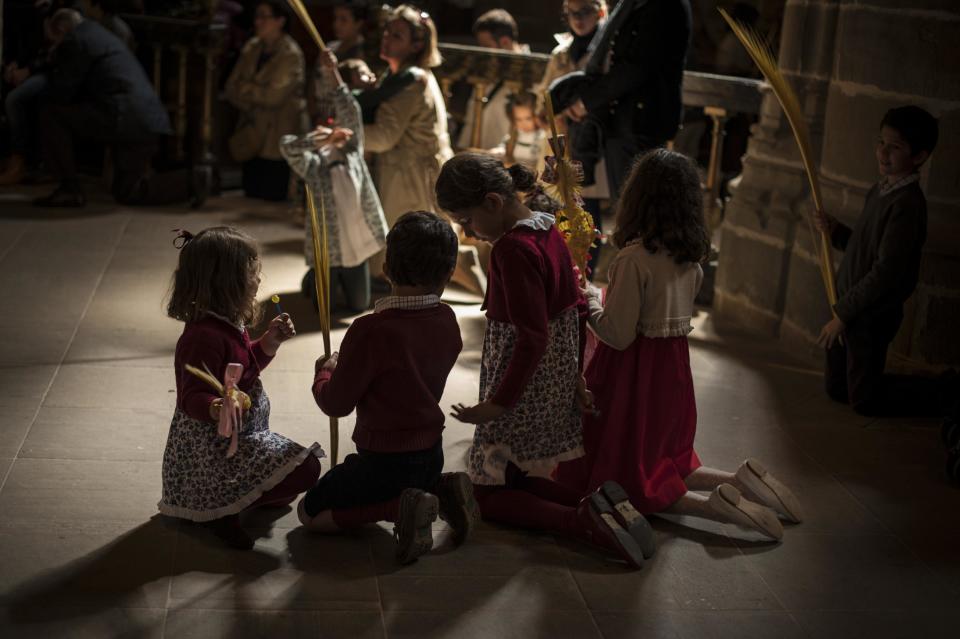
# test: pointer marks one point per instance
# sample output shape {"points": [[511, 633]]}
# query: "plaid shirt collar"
{"points": [[886, 189], [407, 303]]}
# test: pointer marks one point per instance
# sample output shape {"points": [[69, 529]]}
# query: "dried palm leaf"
{"points": [[762, 56]]}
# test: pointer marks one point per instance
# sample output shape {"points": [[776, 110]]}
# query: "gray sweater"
{"points": [[881, 265]]}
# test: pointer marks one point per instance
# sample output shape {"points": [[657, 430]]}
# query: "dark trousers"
{"points": [[592, 206], [21, 107], [266, 179], [620, 154], [366, 477], [349, 287], [61, 125], [854, 375]]}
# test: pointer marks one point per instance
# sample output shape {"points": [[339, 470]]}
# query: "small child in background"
{"points": [[395, 365], [642, 433], [331, 162], [200, 481], [878, 273], [528, 418], [526, 143]]}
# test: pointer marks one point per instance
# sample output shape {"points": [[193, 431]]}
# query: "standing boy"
{"points": [[879, 271]]}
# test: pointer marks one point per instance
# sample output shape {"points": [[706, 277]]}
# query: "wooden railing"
{"points": [[720, 96], [184, 41]]}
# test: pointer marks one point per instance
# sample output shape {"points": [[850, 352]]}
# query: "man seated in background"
{"points": [[495, 29], [98, 91]]}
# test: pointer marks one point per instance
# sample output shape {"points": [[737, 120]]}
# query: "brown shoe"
{"points": [[15, 171], [457, 505], [62, 197], [413, 530]]}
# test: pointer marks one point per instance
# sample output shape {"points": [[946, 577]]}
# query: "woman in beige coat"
{"points": [[408, 132], [267, 86], [405, 118]]}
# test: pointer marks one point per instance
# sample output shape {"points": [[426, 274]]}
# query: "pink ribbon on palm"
{"points": [[231, 414]]}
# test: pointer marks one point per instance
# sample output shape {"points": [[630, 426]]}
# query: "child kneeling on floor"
{"points": [[209, 476], [395, 365]]}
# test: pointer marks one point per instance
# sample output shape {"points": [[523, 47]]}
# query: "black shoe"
{"points": [[457, 505], [201, 180], [62, 197], [413, 530], [628, 517], [230, 532]]}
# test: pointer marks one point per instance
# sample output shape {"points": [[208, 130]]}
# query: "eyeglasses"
{"points": [[581, 14]]}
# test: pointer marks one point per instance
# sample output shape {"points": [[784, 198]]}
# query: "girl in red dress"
{"points": [[528, 417], [642, 435]]}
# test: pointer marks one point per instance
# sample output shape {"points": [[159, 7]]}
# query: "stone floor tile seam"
{"points": [[376, 580], [13, 244], [756, 572], [583, 597], [163, 623], [173, 559], [66, 350]]}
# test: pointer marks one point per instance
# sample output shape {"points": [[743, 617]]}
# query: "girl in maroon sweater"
{"points": [[214, 293], [528, 418]]}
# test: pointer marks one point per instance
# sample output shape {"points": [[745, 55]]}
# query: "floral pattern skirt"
{"points": [[544, 427], [201, 484]]}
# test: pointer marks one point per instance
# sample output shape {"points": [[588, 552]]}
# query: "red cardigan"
{"points": [[531, 281], [216, 343], [392, 368]]}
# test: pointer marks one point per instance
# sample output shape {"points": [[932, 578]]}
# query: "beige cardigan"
{"points": [[273, 96], [649, 295], [409, 137]]}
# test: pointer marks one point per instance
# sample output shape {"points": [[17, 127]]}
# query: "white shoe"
{"points": [[769, 490], [727, 502]]}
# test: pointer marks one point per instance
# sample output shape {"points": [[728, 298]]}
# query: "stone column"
{"points": [[849, 62]]}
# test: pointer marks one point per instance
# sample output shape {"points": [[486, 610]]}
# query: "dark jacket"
{"points": [[640, 95], [881, 265], [92, 65]]}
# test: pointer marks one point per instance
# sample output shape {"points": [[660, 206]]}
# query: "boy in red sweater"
{"points": [[395, 365]]}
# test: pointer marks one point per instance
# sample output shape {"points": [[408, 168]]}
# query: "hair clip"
{"points": [[183, 236]]}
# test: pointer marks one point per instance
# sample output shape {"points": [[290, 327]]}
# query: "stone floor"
{"points": [[86, 393]]}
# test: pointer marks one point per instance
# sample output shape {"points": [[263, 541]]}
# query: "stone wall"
{"points": [[849, 60]]}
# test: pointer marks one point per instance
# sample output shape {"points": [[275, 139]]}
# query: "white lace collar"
{"points": [[540, 221]]}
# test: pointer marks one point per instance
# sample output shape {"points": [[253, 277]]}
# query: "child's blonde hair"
{"points": [[661, 205], [215, 273]]}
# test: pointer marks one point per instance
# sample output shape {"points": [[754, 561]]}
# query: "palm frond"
{"points": [[311, 28], [321, 265], [575, 224], [206, 376], [762, 56]]}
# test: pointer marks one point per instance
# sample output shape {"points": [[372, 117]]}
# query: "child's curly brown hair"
{"points": [[217, 273], [662, 206]]}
